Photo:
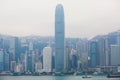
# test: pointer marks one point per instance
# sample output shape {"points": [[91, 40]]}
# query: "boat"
{"points": [[98, 74], [113, 75], [86, 76], [78, 73], [58, 74]]}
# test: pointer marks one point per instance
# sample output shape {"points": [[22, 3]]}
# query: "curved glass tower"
{"points": [[59, 38]]}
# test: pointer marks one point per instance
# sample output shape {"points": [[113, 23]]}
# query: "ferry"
{"points": [[115, 75]]}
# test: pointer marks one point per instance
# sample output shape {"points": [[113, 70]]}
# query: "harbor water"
{"points": [[55, 78]]}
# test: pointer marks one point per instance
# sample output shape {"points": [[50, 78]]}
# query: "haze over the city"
{"points": [[83, 18]]}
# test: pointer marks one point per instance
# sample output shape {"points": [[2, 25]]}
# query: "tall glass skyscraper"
{"points": [[59, 38], [93, 52]]}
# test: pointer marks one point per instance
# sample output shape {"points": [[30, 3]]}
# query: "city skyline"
{"points": [[62, 54], [83, 18], [34, 55]]}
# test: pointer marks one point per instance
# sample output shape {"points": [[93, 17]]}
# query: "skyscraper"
{"points": [[59, 38], [31, 61], [14, 48], [67, 58], [6, 61], [115, 55], [93, 53], [118, 42], [102, 48]]}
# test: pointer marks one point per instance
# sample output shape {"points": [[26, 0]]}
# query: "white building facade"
{"points": [[47, 59]]}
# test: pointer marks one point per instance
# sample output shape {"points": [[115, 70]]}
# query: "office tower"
{"points": [[36, 56], [115, 55], [14, 49], [12, 53], [17, 49], [73, 58], [101, 49], [1, 60], [82, 52], [66, 58], [31, 61], [118, 42], [79, 49], [107, 54], [23, 61], [38, 47], [47, 59], [112, 40], [84, 55], [59, 38], [6, 61], [93, 53]]}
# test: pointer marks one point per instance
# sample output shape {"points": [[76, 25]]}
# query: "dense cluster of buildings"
{"points": [[37, 54], [104, 51], [59, 54]]}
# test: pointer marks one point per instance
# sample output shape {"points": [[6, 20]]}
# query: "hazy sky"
{"points": [[83, 18]]}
